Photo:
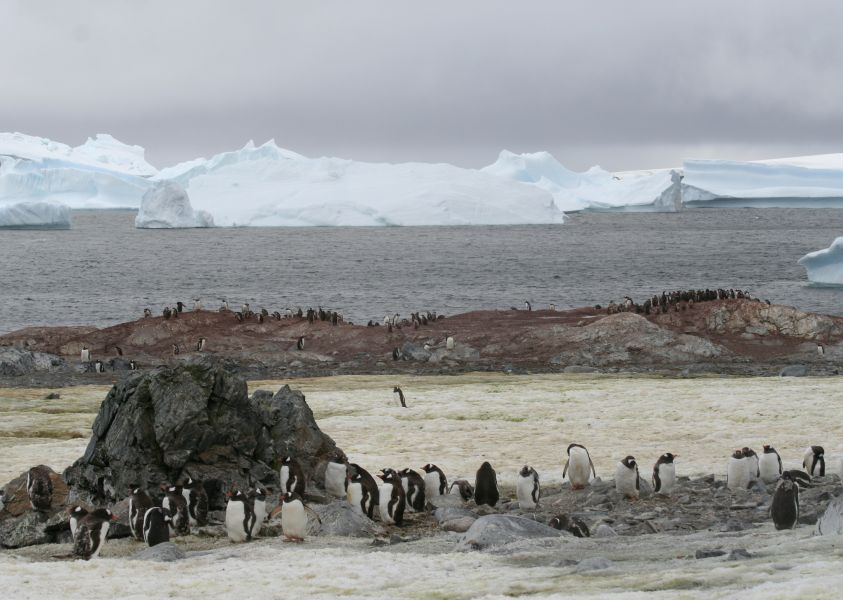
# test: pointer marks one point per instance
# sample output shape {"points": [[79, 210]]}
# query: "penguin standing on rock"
{"points": [[752, 466], [175, 503], [486, 486], [300, 343], [413, 484], [579, 466], [362, 494], [239, 517], [291, 476], [176, 349], [814, 461], [664, 474], [769, 465], [200, 345], [528, 489], [39, 487], [435, 482], [399, 397], [571, 524], [156, 526], [392, 499], [197, 501], [626, 478], [74, 515], [91, 533], [785, 505], [139, 504], [293, 518]]}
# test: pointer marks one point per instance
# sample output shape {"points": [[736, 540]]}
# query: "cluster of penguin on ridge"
{"points": [[185, 505], [677, 300]]}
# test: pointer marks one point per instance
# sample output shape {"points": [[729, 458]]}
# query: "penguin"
{"points": [[133, 366], [751, 459], [785, 505], [224, 306], [257, 497], [626, 478], [156, 526], [528, 489], [276, 315], [820, 349], [85, 355], [814, 461], [396, 354], [39, 487], [300, 343], [167, 312], [2, 500], [91, 533], [399, 397], [179, 306], [450, 343], [664, 474], [486, 485], [801, 478], [552, 307], [147, 313], [527, 306], [571, 524], [197, 304], [260, 317], [293, 518], [578, 466], [392, 498], [176, 349], [291, 476], [74, 515], [139, 503], [362, 494], [336, 476], [175, 503], [413, 484], [737, 473], [435, 482], [239, 517], [769, 465], [118, 350], [463, 489], [197, 501], [99, 367], [200, 345]]}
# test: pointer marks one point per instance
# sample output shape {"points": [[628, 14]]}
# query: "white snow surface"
{"points": [[597, 189], [269, 186], [825, 267], [39, 214], [166, 205]]}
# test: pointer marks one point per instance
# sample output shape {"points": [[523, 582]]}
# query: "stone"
{"points": [[338, 518], [52, 396], [580, 369], [739, 554], [164, 552], [459, 525], [26, 530], [495, 530], [709, 553], [794, 371], [604, 531], [831, 522], [449, 513], [15, 362], [595, 563]]}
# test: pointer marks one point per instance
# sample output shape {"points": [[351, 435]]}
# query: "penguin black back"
{"points": [[785, 505], [486, 486], [156, 526]]}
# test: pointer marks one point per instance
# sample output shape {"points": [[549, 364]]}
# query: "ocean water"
{"points": [[103, 271]]}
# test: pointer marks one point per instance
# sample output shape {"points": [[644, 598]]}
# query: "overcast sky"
{"points": [[622, 84]]}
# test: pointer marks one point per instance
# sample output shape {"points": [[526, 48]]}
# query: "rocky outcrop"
{"points": [[496, 530], [761, 319], [831, 522], [14, 361]]}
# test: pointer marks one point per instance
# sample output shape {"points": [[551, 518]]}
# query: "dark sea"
{"points": [[104, 271]]}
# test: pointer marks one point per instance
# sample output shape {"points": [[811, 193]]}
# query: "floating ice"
{"points": [[34, 215], [825, 267], [166, 205]]}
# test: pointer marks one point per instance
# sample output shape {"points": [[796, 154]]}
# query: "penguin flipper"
{"points": [[565, 470], [780, 462]]}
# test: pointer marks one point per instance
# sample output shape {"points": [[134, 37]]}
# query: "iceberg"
{"points": [[34, 215], [825, 267], [596, 189], [270, 186], [166, 205], [805, 181]]}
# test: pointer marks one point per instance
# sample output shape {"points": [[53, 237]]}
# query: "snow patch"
{"points": [[166, 205], [825, 267]]}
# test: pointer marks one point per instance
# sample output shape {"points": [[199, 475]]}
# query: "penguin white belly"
{"points": [[524, 492], [578, 467], [294, 520], [284, 476], [74, 525], [737, 474], [431, 484], [625, 480], [103, 535], [405, 483], [235, 514], [335, 475], [260, 516], [752, 469], [667, 478], [385, 497], [186, 494], [807, 461], [165, 504], [768, 465], [355, 497], [396, 399]]}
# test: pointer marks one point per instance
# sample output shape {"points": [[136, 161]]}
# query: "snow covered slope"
{"points": [[825, 267], [804, 181], [34, 215], [268, 186], [656, 190]]}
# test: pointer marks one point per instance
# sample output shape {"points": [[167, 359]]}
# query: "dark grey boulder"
{"points": [[831, 522], [449, 513], [15, 362], [338, 518], [709, 553], [739, 554], [27, 530], [604, 531], [794, 371], [594, 563], [496, 530], [164, 552]]}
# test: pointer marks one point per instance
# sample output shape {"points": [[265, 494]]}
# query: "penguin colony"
{"points": [[677, 301]]}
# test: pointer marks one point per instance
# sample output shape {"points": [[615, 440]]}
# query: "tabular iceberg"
{"points": [[825, 267], [595, 189], [166, 205], [34, 215], [269, 186]]}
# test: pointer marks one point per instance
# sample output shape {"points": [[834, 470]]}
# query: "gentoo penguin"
{"points": [[300, 343], [450, 343], [257, 497], [552, 307], [167, 313], [293, 518], [99, 367], [398, 395], [180, 306], [486, 485], [392, 498], [751, 464], [176, 349], [626, 478], [528, 489], [147, 313], [463, 489], [133, 366], [737, 472], [571, 524], [139, 503], [175, 503], [197, 501], [291, 476], [197, 304], [769, 465], [664, 474], [239, 517], [39, 487], [814, 461], [413, 484], [156, 526], [91, 533], [820, 349], [801, 478], [435, 482], [336, 476], [74, 515], [527, 305], [2, 500], [362, 494], [785, 506], [200, 345], [85, 355], [578, 467]]}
